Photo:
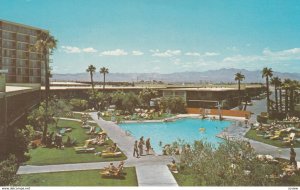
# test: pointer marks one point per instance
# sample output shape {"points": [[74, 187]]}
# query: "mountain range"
{"points": [[214, 76]]}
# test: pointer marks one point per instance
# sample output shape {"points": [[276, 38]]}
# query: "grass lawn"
{"points": [[185, 178], [252, 134], [155, 117], [76, 116], [77, 178], [45, 156]]}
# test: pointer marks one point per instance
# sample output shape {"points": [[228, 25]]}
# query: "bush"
{"points": [[8, 170], [232, 163], [79, 104], [261, 119], [175, 104]]}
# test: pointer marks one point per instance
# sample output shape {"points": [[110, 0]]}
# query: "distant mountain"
{"points": [[221, 75]]}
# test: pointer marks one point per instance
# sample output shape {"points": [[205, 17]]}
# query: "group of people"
{"points": [[138, 149], [56, 141], [113, 170], [99, 140]]}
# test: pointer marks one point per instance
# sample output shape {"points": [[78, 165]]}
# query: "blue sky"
{"points": [[166, 36]]}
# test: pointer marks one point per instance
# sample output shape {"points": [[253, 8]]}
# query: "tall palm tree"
{"points": [[91, 69], [45, 44], [293, 87], [276, 82], [239, 77], [267, 73], [104, 71], [286, 86]]}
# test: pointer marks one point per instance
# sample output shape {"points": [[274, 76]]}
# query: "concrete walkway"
{"points": [[155, 175]]}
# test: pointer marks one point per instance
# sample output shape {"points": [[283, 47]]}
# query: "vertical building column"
{"points": [[3, 110]]}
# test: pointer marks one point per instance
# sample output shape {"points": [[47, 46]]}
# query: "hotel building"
{"points": [[24, 64]]}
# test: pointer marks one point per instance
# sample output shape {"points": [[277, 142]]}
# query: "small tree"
{"points": [[38, 117], [59, 108], [146, 95], [130, 102], [79, 104], [117, 99]]}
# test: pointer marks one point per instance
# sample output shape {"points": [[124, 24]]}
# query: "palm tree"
{"points": [[286, 86], [266, 73], [45, 44], [239, 77], [104, 71], [91, 69], [293, 87], [276, 82]]}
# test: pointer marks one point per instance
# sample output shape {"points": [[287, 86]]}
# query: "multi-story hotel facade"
{"points": [[24, 64]]}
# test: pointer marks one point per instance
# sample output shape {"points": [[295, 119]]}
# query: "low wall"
{"points": [[234, 113]]}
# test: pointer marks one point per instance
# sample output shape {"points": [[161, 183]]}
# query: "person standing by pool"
{"points": [[140, 145], [135, 149], [98, 114], [148, 146], [293, 157]]}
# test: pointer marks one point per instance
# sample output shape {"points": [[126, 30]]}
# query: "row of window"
{"points": [[21, 63], [21, 79], [19, 37], [19, 29], [21, 54], [22, 71]]}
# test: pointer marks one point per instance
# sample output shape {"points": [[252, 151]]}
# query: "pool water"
{"points": [[187, 129]]}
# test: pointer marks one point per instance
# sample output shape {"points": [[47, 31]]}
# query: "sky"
{"points": [[165, 36]]}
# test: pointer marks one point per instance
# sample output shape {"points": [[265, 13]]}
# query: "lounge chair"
{"points": [[111, 154], [84, 150], [289, 139]]}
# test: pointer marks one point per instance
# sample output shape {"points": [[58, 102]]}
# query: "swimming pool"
{"points": [[187, 129]]}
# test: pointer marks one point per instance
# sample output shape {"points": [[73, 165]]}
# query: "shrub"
{"points": [[79, 104], [8, 170]]}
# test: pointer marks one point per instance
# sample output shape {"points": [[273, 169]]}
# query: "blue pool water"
{"points": [[187, 129]]}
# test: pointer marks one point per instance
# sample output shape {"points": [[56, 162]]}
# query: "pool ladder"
{"points": [[128, 133]]}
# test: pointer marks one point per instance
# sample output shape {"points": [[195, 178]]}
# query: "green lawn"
{"points": [[252, 134], [75, 116], [77, 178], [45, 156]]}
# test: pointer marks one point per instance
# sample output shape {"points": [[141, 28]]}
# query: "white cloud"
{"points": [[267, 56], [177, 61], [284, 54], [137, 53], [89, 50], [210, 54], [116, 52], [192, 54], [167, 53], [206, 54], [74, 49], [71, 49]]}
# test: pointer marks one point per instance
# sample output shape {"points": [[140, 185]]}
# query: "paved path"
{"points": [[155, 175]]}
